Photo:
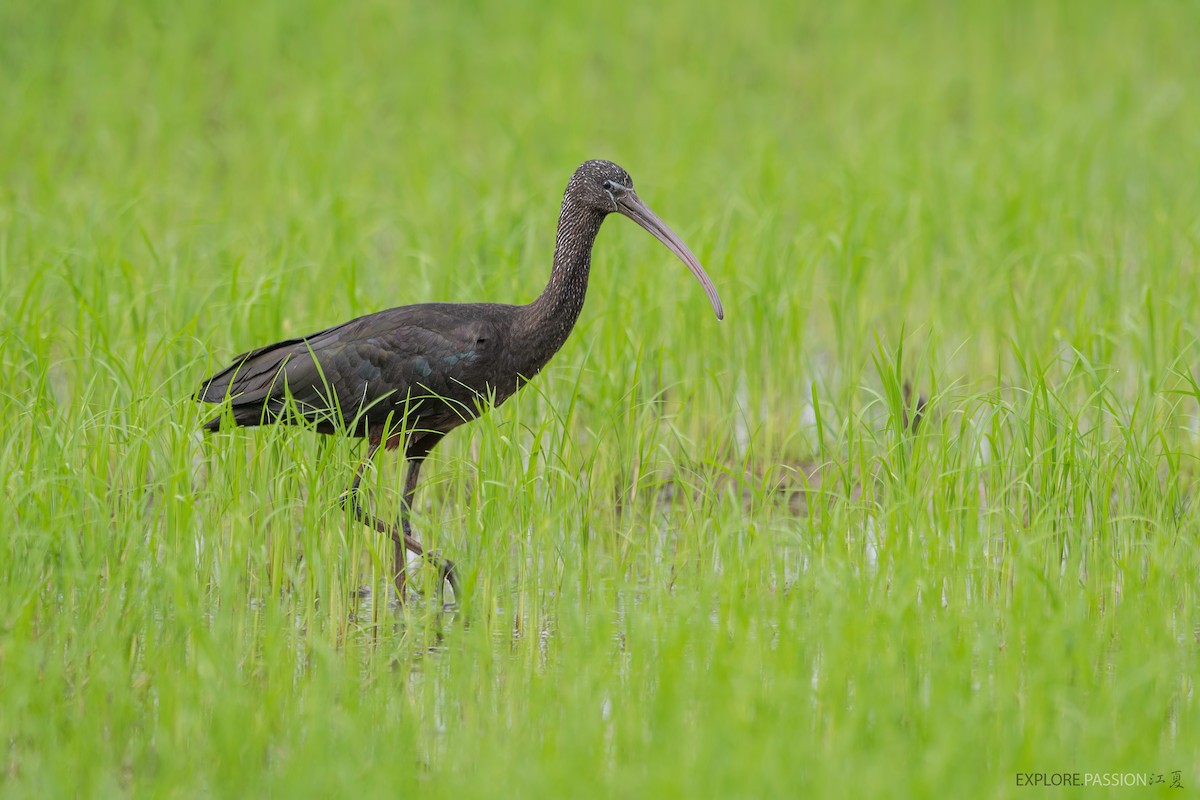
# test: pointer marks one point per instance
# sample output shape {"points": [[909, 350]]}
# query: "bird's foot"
{"points": [[447, 573], [400, 584], [351, 499]]}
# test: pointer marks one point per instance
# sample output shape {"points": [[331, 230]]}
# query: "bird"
{"points": [[404, 377]]}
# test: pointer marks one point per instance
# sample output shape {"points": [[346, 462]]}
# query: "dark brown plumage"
{"points": [[409, 375]]}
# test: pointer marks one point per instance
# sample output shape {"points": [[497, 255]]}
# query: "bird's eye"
{"points": [[612, 186]]}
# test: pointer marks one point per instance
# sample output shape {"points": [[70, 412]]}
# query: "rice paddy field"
{"points": [[919, 518]]}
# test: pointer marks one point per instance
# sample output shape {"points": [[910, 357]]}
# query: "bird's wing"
{"points": [[384, 357], [252, 371]]}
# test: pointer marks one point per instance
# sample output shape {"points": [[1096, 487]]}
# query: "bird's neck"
{"points": [[550, 318]]}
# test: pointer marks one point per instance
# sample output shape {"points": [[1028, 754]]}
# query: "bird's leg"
{"points": [[351, 494], [446, 569], [401, 539], [362, 515]]}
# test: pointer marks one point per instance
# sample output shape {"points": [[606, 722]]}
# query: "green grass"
{"points": [[704, 559]]}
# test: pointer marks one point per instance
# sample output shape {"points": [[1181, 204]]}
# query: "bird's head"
{"points": [[598, 183], [607, 188]]}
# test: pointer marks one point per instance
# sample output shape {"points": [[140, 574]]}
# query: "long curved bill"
{"points": [[632, 206]]}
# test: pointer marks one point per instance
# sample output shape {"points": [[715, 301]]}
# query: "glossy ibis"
{"points": [[407, 376]]}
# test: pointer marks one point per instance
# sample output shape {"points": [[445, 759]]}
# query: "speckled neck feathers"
{"points": [[548, 320]]}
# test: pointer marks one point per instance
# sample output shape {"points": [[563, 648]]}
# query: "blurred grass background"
{"points": [[706, 559]]}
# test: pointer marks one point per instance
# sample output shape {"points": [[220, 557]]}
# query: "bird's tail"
{"points": [[245, 411]]}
